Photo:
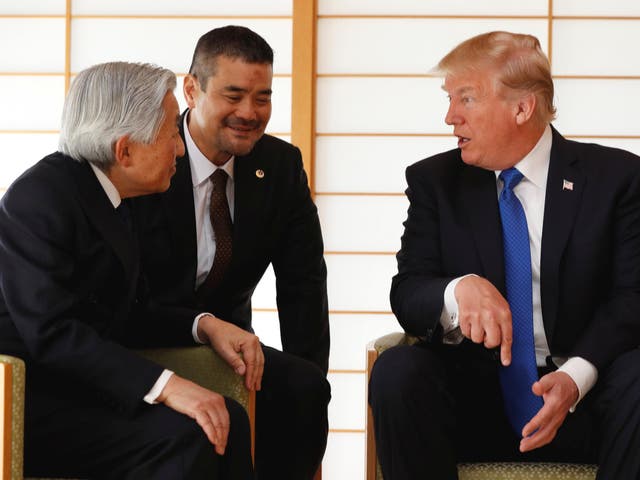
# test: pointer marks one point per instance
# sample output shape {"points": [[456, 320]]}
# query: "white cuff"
{"points": [[194, 328], [157, 388], [583, 373], [449, 315]]}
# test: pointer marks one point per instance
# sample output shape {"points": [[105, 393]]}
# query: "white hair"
{"points": [[109, 101]]}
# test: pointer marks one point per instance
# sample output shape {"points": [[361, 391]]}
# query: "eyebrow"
{"points": [[234, 89], [459, 90]]}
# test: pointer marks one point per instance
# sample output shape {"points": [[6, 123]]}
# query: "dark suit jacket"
{"points": [[69, 286], [275, 221], [590, 259]]}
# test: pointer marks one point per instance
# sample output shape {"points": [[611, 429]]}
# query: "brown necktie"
{"points": [[222, 229]]}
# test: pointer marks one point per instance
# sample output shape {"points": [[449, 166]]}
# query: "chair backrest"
{"points": [[11, 417]]}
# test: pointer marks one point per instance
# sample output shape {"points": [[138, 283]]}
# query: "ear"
{"points": [[122, 151], [191, 90], [526, 107]]}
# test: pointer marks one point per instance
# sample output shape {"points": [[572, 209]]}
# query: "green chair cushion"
{"points": [[526, 471]]}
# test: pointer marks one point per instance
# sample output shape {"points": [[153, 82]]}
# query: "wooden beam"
{"points": [[303, 84]]}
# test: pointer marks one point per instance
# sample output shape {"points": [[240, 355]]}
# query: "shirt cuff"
{"points": [[156, 390], [583, 373], [194, 328], [449, 315]]}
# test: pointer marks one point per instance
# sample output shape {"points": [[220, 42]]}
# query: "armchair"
{"points": [[199, 364], [467, 471]]}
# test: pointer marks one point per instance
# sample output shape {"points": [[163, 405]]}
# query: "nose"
{"points": [[246, 110], [452, 117], [180, 147]]}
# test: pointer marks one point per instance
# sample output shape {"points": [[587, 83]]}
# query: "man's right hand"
{"points": [[484, 315], [229, 341], [204, 406]]}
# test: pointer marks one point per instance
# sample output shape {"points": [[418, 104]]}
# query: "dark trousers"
{"points": [[291, 418], [435, 406], [77, 439]]}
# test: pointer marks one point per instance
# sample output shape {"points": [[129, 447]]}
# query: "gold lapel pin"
{"points": [[260, 173]]}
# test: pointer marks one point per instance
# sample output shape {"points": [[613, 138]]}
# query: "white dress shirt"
{"points": [[531, 192], [201, 170]]}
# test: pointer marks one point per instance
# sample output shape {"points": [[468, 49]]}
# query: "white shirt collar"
{"points": [[108, 187], [201, 167], [535, 165]]}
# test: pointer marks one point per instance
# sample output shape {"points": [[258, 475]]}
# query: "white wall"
{"points": [[378, 111]]}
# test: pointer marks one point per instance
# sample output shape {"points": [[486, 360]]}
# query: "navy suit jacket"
{"points": [[590, 254], [275, 222], [70, 297]]}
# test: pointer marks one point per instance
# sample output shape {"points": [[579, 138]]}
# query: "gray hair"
{"points": [[109, 101]]}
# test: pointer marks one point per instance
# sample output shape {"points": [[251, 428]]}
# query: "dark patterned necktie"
{"points": [[516, 379], [222, 229]]}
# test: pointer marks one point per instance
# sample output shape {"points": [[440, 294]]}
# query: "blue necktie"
{"points": [[516, 379]]}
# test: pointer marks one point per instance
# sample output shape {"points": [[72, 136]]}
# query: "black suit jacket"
{"points": [[69, 289], [590, 258], [275, 222]]}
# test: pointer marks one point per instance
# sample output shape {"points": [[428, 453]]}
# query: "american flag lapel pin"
{"points": [[567, 185]]}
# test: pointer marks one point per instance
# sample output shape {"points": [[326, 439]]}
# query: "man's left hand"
{"points": [[559, 392]]}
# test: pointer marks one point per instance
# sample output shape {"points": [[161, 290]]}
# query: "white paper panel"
{"points": [[371, 164], [350, 335], [362, 223], [432, 7], [32, 7], [360, 282], [354, 282], [402, 45], [598, 107], [267, 327], [20, 52], [184, 7], [632, 145], [346, 410], [596, 7], [596, 47], [167, 42], [381, 105], [344, 458], [21, 150], [31, 103], [264, 295]]}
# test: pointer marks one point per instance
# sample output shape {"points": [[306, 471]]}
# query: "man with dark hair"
{"points": [[72, 306], [239, 202], [520, 272]]}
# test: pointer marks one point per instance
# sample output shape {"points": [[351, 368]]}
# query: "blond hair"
{"points": [[518, 59]]}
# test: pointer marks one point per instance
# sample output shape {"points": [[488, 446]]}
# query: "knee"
{"points": [[307, 384], [238, 418], [402, 373]]}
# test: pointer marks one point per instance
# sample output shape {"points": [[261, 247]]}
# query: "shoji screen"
{"points": [[44, 44], [378, 110]]}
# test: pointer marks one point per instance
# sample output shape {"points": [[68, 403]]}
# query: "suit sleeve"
{"points": [[301, 276], [417, 290], [39, 281], [615, 325]]}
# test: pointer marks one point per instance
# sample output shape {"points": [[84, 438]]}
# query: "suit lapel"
{"points": [[102, 215], [479, 200], [178, 204], [252, 175], [561, 206]]}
